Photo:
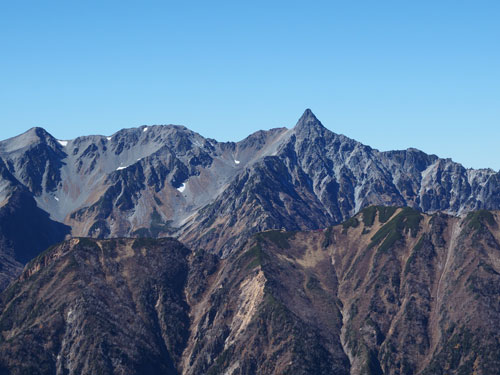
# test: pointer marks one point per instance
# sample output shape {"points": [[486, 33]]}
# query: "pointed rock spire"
{"points": [[308, 115], [308, 123]]}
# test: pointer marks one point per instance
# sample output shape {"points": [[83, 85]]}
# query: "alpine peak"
{"points": [[308, 121]]}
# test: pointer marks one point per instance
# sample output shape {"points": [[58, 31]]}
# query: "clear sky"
{"points": [[391, 74]]}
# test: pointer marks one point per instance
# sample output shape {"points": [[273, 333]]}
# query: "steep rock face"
{"points": [[154, 181], [25, 229]]}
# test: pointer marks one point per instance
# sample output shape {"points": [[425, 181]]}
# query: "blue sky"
{"points": [[391, 74]]}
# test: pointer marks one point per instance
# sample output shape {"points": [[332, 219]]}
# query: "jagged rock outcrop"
{"points": [[390, 291]]}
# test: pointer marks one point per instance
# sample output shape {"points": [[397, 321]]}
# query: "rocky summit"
{"points": [[390, 291], [156, 181]]}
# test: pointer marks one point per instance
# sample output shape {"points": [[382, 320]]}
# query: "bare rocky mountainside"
{"points": [[389, 291], [156, 181]]}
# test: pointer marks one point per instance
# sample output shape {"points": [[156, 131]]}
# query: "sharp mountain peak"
{"points": [[308, 121]]}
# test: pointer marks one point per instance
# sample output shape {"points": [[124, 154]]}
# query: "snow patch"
{"points": [[57, 199], [63, 143], [108, 138], [144, 130], [182, 187], [120, 168], [236, 162]]}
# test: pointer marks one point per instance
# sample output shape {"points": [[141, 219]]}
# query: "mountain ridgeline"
{"points": [[156, 181], [294, 251], [390, 291]]}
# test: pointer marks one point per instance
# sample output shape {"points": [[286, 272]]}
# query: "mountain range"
{"points": [[300, 251], [155, 181]]}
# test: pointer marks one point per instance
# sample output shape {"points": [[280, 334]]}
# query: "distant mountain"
{"points": [[390, 291], [155, 181]]}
